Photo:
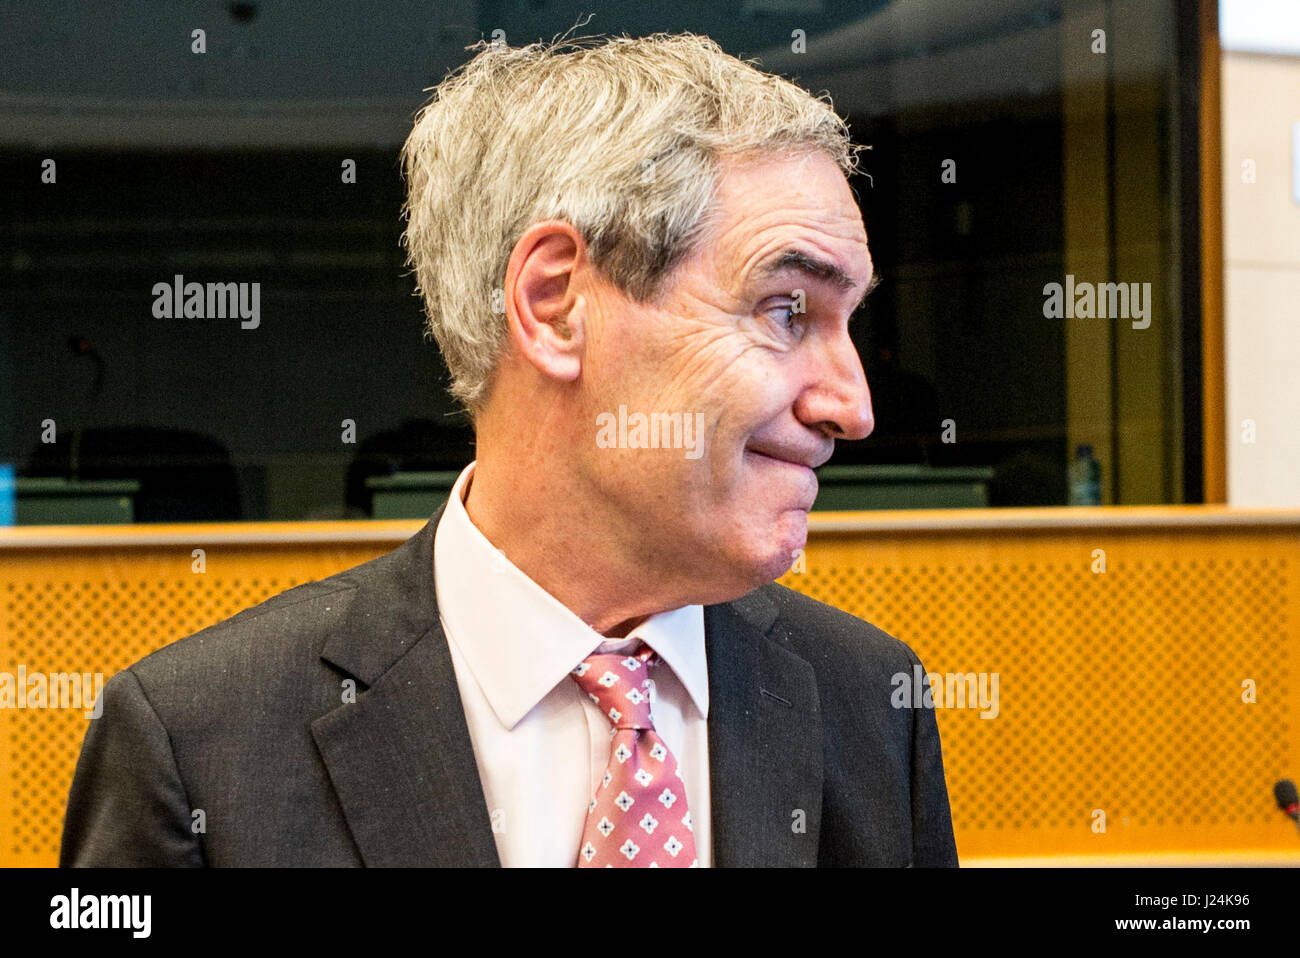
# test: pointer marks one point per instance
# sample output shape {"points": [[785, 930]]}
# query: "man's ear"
{"points": [[543, 313]]}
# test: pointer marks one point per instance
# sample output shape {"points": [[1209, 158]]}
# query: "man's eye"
{"points": [[785, 315]]}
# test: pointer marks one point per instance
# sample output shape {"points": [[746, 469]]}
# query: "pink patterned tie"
{"points": [[638, 818]]}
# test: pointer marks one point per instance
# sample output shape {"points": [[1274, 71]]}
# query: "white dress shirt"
{"points": [[541, 744]]}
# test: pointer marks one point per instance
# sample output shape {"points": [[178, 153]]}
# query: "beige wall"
{"points": [[1261, 253]]}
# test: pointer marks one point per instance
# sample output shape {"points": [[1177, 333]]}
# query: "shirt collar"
{"points": [[520, 641]]}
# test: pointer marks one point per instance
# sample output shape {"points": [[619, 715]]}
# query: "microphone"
{"points": [[81, 346], [1287, 799]]}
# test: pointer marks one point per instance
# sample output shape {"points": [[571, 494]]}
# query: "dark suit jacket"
{"points": [[245, 722]]}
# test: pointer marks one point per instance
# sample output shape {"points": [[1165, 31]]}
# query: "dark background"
{"points": [[226, 167]]}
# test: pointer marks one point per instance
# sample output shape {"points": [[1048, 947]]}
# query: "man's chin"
{"points": [[742, 574], [740, 584], [776, 554]]}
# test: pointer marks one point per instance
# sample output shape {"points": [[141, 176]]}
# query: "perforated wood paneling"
{"points": [[99, 612], [1118, 691]]}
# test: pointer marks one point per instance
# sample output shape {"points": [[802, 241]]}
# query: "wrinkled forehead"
{"points": [[774, 203], [805, 188]]}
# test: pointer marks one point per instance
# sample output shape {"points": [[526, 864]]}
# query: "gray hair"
{"points": [[622, 138]]}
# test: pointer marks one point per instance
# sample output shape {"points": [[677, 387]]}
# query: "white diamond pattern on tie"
{"points": [[638, 817]]}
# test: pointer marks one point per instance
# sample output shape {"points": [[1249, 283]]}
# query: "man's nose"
{"points": [[838, 399]]}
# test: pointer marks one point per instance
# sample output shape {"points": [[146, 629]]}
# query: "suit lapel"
{"points": [[765, 741], [400, 758]]}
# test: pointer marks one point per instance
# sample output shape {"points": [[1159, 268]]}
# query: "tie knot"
{"points": [[619, 684]]}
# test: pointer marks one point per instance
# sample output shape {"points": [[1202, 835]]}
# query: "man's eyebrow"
{"points": [[818, 268]]}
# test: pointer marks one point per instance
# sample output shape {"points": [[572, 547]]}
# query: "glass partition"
{"points": [[1030, 198]]}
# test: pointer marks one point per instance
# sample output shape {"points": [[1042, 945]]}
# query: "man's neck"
{"points": [[538, 541]]}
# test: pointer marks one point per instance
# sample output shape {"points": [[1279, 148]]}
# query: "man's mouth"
{"points": [[788, 459], [771, 458]]}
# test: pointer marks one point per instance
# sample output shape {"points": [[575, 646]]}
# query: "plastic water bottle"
{"points": [[1085, 478], [8, 495]]}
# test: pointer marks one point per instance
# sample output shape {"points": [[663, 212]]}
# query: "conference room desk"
{"points": [[1115, 685]]}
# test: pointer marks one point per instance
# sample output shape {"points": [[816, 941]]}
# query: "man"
{"points": [[581, 658]]}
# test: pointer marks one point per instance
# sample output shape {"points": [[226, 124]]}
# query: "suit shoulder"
{"points": [[823, 633]]}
